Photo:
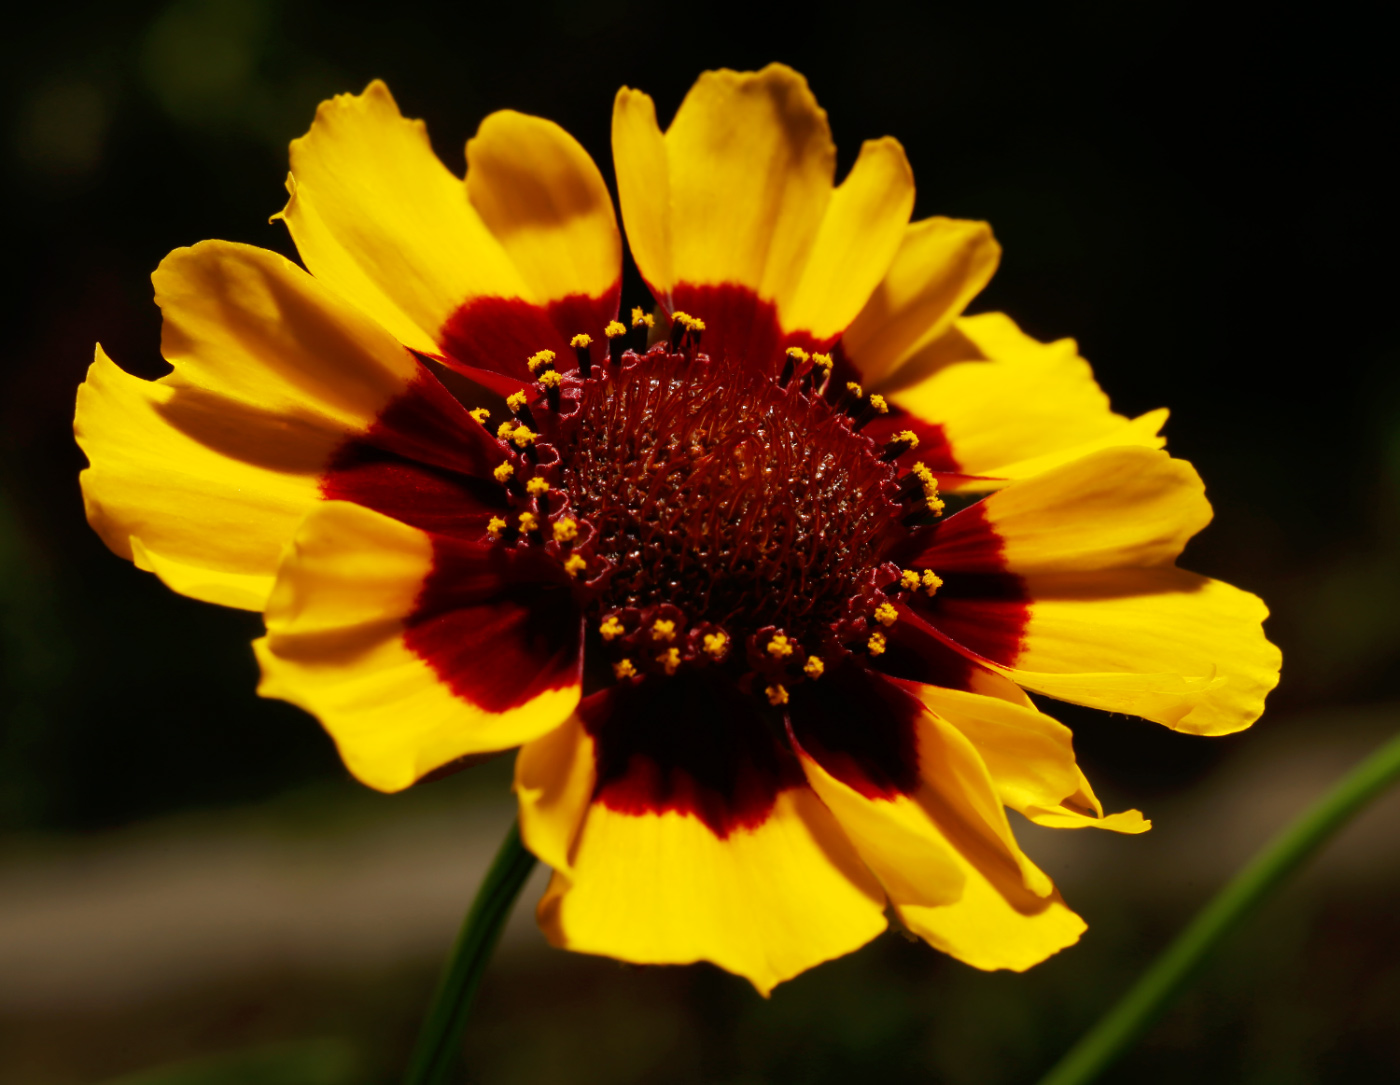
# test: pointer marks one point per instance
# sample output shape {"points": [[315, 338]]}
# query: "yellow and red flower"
{"points": [[765, 689]]}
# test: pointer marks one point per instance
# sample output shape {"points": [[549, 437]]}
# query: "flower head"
{"points": [[763, 688]]}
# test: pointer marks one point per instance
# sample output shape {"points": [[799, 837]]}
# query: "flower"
{"points": [[765, 684]]}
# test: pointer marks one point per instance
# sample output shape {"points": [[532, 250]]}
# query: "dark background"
{"points": [[1197, 195]]}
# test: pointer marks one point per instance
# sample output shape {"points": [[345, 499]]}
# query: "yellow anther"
{"points": [[516, 402], [611, 628], [481, 414], [932, 581], [909, 579], [663, 629], [550, 378], [504, 430], [565, 530], [623, 669], [823, 361], [909, 437], [528, 521], [696, 324], [814, 667], [642, 319], [543, 357], [780, 647], [797, 354], [614, 329], [878, 402], [777, 695], [876, 644], [575, 565], [886, 614], [935, 503], [537, 486], [581, 340], [716, 644], [522, 436], [855, 389], [670, 660], [503, 473], [495, 526], [683, 319]]}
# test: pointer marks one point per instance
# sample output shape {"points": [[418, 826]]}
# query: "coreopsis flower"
{"points": [[696, 558]]}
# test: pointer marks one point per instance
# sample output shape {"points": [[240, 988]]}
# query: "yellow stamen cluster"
{"points": [[670, 660], [522, 436], [516, 402], [565, 530], [537, 486], [529, 521], [623, 669], [690, 323], [930, 481], [814, 667], [909, 437], [780, 647], [481, 414], [909, 579], [663, 629], [581, 340], [932, 582], [777, 695], [550, 378], [575, 565], [886, 614], [611, 628], [877, 401], [538, 359], [822, 361], [495, 526], [797, 354], [503, 473], [504, 430], [855, 389], [716, 645], [876, 643], [614, 329], [642, 319]]}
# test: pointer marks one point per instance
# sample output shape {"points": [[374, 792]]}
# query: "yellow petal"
{"points": [[1030, 758], [1010, 406], [739, 191], [1100, 615], [213, 466], [376, 215], [1161, 643], [765, 902], [338, 645], [1123, 507], [941, 265], [644, 187], [858, 238], [554, 780], [1006, 913], [895, 837], [542, 197]]}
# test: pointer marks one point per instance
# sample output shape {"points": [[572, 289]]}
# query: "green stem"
{"points": [[438, 1043], [1155, 990]]}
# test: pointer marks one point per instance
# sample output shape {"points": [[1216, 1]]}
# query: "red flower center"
{"points": [[710, 514]]}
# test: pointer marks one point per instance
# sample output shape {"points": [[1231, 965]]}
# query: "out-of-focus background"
{"points": [[1198, 196]]}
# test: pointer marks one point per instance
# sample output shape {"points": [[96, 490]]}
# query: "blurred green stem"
{"points": [[438, 1043], [1155, 991]]}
